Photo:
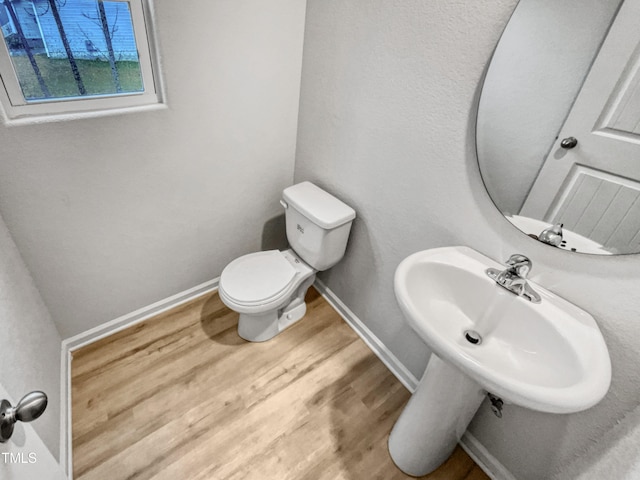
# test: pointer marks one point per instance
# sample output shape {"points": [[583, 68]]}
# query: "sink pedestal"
{"points": [[435, 418]]}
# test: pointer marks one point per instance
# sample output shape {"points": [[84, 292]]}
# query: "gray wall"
{"points": [[29, 343], [115, 213], [387, 115]]}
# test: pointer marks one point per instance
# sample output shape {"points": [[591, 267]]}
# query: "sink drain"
{"points": [[473, 337]]}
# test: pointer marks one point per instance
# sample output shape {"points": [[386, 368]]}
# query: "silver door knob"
{"points": [[30, 407], [569, 142]]}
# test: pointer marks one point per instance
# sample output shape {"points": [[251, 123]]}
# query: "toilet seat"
{"points": [[258, 278]]}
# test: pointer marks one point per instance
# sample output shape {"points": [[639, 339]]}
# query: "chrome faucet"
{"points": [[552, 235], [514, 277]]}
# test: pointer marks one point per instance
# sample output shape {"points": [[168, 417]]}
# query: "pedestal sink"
{"points": [[548, 356]]}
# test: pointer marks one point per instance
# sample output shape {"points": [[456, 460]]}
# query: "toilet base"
{"points": [[263, 327]]}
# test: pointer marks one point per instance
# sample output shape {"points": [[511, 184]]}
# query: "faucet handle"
{"points": [[519, 265]]}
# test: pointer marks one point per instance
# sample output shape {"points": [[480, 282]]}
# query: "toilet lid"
{"points": [[257, 277]]}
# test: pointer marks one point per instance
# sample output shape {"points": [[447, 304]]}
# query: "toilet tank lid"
{"points": [[320, 207]]}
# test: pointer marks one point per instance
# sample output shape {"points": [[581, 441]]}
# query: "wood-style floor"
{"points": [[182, 397]]}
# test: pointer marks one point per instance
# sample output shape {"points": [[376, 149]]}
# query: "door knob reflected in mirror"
{"points": [[569, 142], [30, 407]]}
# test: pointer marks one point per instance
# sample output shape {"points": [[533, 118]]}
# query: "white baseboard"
{"points": [[102, 331], [373, 342], [487, 462], [140, 315]]}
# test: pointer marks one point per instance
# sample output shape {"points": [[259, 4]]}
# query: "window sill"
{"points": [[82, 115]]}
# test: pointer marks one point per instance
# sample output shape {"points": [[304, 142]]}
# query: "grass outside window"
{"points": [[96, 76]]}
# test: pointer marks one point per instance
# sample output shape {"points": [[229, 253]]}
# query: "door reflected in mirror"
{"points": [[558, 131]]}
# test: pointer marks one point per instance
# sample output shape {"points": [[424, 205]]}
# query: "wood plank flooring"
{"points": [[181, 396]]}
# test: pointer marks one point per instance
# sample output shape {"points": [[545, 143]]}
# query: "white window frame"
{"points": [[16, 107]]}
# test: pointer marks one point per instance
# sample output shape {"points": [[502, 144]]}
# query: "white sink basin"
{"points": [[549, 356]]}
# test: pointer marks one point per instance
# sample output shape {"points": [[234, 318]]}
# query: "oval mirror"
{"points": [[558, 133]]}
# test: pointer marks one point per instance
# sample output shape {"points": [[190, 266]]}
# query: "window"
{"points": [[63, 56]]}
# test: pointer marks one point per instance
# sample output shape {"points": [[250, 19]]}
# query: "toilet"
{"points": [[268, 288]]}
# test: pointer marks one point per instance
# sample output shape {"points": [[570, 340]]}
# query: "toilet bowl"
{"points": [[268, 288]]}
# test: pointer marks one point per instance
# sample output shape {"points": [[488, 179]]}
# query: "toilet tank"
{"points": [[318, 224]]}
